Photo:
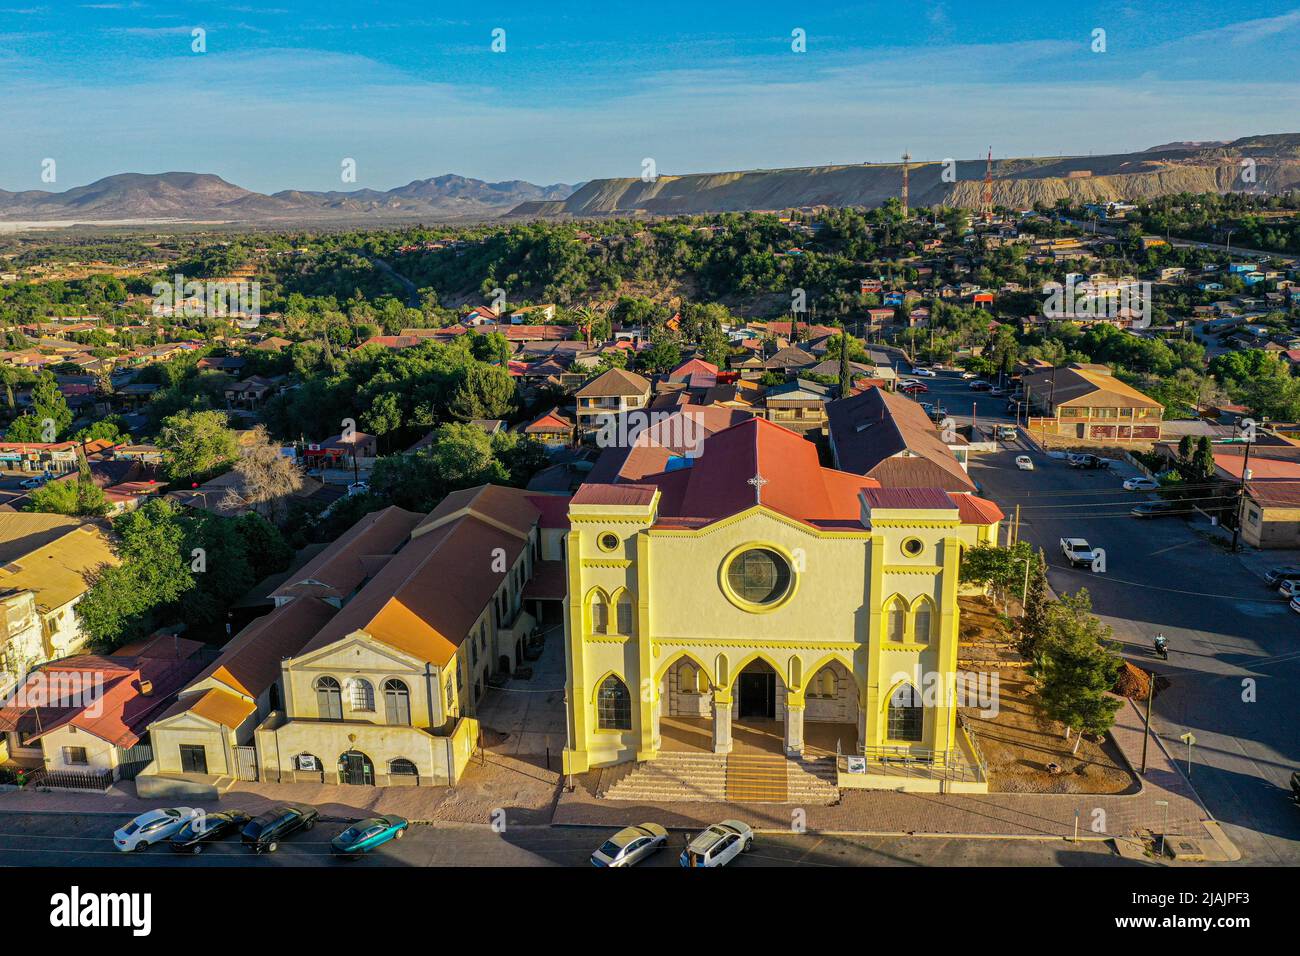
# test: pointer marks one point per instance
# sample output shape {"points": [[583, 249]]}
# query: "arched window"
{"points": [[895, 621], [362, 694], [824, 683], [599, 614], [397, 702], [613, 705], [401, 767], [329, 699], [922, 621], [906, 715], [624, 613]]}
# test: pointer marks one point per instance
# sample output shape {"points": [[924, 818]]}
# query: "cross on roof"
{"points": [[758, 481]]}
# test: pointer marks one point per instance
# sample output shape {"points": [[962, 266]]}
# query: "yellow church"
{"points": [[744, 588]]}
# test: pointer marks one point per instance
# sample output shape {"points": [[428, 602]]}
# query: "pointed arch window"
{"points": [[624, 608], [895, 621], [923, 622], [599, 614], [613, 705], [906, 714]]}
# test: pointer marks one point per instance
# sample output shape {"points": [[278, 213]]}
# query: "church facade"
{"points": [[748, 589]]}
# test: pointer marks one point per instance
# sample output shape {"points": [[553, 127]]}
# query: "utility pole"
{"points": [[1146, 731], [1241, 495]]}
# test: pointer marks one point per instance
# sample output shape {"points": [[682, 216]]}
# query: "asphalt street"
{"points": [[85, 840], [1234, 663]]}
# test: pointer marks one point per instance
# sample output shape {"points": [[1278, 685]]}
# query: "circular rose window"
{"points": [[759, 576]]}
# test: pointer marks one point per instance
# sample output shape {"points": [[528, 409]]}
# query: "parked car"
{"points": [[1024, 463], [364, 835], [980, 386], [1141, 484], [1159, 509], [1274, 575], [206, 828], [358, 488], [631, 845], [923, 372], [263, 834], [152, 827], [1077, 551], [913, 387], [968, 375], [937, 414], [1295, 604], [1088, 461], [718, 845], [1289, 588], [30, 483]]}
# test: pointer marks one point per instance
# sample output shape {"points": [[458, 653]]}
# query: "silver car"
{"points": [[630, 845]]}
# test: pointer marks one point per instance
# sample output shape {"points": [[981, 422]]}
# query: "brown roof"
{"points": [[250, 663], [616, 381], [343, 566], [1088, 386], [873, 430], [506, 506]]}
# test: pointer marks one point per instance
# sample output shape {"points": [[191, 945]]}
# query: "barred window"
{"points": [[613, 705]]}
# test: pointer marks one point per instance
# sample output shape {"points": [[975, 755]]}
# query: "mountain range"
{"points": [[204, 197], [1267, 164]]}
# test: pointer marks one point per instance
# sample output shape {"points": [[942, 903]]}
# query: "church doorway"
{"points": [[757, 684]]}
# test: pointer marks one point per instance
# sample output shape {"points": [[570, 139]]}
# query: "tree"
{"points": [[1202, 460], [79, 497], [486, 391], [662, 356], [1076, 668], [124, 601], [196, 445], [1033, 625], [268, 478], [49, 416], [1000, 569], [460, 456]]}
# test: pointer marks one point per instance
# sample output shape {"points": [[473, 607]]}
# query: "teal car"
{"points": [[364, 835]]}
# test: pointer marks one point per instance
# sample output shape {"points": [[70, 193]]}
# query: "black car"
{"points": [[264, 833], [1275, 576], [207, 827], [1158, 509]]}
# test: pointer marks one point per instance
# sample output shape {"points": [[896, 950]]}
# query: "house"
{"points": [[613, 393], [84, 714], [45, 561], [1087, 402], [1270, 513], [799, 404], [753, 591], [551, 428], [887, 437]]}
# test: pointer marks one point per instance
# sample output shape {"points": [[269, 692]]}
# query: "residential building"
{"points": [[1088, 402], [614, 393]]}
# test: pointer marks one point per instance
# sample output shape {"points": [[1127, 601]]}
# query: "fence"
{"points": [[134, 760], [71, 780]]}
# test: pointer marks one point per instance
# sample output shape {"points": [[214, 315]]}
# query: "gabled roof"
{"points": [[339, 569], [250, 662], [56, 569], [616, 381], [672, 436], [871, 429], [1066, 386]]}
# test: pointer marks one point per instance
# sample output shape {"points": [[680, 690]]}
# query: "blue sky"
{"points": [[287, 89]]}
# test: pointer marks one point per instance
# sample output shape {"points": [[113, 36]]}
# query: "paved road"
{"points": [[83, 840], [1224, 627]]}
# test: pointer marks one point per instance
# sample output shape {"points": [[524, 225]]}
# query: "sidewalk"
{"points": [[1008, 815]]}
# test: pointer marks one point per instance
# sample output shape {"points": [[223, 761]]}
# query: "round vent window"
{"points": [[608, 541], [912, 547]]}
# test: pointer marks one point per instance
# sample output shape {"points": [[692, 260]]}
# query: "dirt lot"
{"points": [[1018, 742]]}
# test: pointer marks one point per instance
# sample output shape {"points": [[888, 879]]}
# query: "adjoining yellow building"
{"points": [[749, 588]]}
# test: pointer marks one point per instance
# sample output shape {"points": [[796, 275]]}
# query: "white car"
{"points": [[152, 827], [1024, 463], [718, 845], [1295, 604], [969, 375], [1290, 588], [1140, 484], [923, 372], [30, 483], [630, 845]]}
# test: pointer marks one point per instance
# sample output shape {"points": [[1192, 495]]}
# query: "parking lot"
{"points": [[1234, 663]]}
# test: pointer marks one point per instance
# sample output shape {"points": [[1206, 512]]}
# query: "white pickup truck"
{"points": [[1078, 551]]}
